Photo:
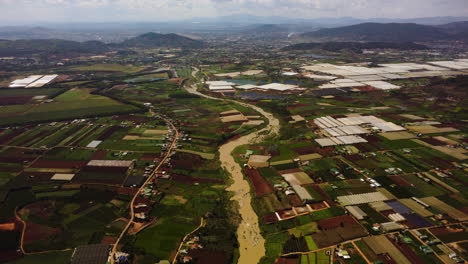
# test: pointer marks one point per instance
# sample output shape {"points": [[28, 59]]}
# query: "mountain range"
{"points": [[25, 47], [389, 32], [355, 46], [151, 40]]}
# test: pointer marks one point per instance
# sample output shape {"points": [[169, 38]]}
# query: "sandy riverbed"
{"points": [[251, 242]]}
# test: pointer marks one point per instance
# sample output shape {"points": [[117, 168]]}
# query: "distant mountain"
{"points": [[266, 28], [26, 47], [155, 40], [378, 32], [354, 46], [324, 22], [455, 27]]}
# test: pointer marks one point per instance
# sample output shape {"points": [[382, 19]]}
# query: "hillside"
{"points": [[155, 40], [378, 32], [458, 29], [355, 46], [49, 46]]}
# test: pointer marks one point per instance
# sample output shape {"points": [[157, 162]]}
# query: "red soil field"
{"points": [[270, 219], [441, 163], [286, 261], [433, 141], [306, 150], [363, 147], [261, 186], [14, 100], [107, 133], [328, 151], [387, 212], [10, 255], [7, 226], [5, 168], [127, 191], [439, 230], [409, 254], [318, 206], [186, 161], [366, 89], [354, 157], [208, 257], [59, 164], [35, 232], [294, 107], [324, 195], [5, 138], [27, 179], [400, 181], [290, 171], [336, 221], [294, 200], [108, 240], [99, 154], [15, 159]]}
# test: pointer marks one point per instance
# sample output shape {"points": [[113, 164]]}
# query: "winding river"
{"points": [[251, 242]]}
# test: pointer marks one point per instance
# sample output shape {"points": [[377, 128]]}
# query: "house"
{"points": [[343, 254]]}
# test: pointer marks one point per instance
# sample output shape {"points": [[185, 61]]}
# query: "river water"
{"points": [[251, 242]]}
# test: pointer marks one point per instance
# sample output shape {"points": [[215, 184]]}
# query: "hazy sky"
{"points": [[23, 11]]}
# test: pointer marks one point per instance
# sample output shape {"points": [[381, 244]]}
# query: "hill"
{"points": [[355, 46], [155, 40], [378, 32], [458, 29], [49, 46]]}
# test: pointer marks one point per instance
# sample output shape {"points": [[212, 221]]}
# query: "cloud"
{"points": [[140, 10]]}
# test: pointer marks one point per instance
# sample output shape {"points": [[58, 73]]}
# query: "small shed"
{"points": [[259, 161]]}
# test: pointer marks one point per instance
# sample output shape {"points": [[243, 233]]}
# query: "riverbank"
{"points": [[251, 242]]}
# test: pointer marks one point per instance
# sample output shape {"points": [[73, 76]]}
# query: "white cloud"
{"points": [[112, 10]]}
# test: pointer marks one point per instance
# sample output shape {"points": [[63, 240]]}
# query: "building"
{"points": [[91, 254], [110, 163], [391, 226], [107, 165], [258, 161], [356, 212], [302, 193]]}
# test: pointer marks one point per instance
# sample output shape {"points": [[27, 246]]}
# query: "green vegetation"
{"points": [[77, 103], [45, 258], [108, 67]]}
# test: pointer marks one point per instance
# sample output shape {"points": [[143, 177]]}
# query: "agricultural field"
{"points": [[348, 175], [107, 68], [75, 103]]}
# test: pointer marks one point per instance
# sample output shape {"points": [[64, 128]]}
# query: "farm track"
{"points": [[251, 242], [132, 202]]}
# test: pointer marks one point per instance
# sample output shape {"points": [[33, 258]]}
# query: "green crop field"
{"points": [[77, 103], [311, 243], [108, 67], [45, 258], [30, 92]]}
